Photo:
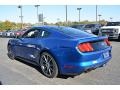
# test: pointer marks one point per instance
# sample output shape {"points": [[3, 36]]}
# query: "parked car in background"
{"points": [[7, 33], [90, 28], [93, 27], [19, 32], [4, 33], [112, 30], [81, 27], [60, 50], [10, 33]]}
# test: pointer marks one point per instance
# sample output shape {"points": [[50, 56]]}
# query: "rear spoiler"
{"points": [[98, 38]]}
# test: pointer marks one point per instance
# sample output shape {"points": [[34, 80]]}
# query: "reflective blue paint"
{"points": [[63, 48], [88, 63]]}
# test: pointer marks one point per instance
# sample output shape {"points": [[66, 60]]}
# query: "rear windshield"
{"points": [[74, 32]]}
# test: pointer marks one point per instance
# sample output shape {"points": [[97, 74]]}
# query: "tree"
{"points": [[7, 25]]}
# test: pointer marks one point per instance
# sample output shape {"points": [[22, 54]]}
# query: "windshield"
{"points": [[113, 24]]}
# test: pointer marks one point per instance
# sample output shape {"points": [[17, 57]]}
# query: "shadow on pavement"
{"points": [[0, 83], [38, 69]]}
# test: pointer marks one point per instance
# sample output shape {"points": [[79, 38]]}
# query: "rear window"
{"points": [[74, 32]]}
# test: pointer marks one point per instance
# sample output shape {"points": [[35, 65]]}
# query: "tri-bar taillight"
{"points": [[107, 42], [87, 46]]}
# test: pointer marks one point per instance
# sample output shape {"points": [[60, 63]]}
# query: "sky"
{"points": [[53, 12]]}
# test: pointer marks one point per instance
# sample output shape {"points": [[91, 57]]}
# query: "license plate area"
{"points": [[106, 54]]}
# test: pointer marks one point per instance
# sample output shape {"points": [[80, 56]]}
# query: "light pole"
{"points": [[66, 14], [96, 12], [21, 16], [111, 19], [99, 17], [79, 12], [37, 6]]}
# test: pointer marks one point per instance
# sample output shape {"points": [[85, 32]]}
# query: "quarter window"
{"points": [[43, 33]]}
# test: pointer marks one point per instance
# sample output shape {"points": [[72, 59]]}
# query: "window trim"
{"points": [[32, 29], [39, 29]]}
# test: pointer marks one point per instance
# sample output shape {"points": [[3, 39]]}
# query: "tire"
{"points": [[10, 53], [48, 65]]}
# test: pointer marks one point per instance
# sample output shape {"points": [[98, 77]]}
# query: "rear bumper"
{"points": [[93, 64], [78, 69], [86, 62]]}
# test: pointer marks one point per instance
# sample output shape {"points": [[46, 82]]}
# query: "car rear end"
{"points": [[90, 53], [79, 51]]}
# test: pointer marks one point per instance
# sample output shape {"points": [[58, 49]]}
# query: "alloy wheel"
{"points": [[48, 65]]}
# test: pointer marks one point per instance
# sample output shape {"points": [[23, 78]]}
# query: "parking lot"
{"points": [[16, 72]]}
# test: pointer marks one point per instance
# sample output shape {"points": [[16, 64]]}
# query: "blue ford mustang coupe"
{"points": [[60, 50]]}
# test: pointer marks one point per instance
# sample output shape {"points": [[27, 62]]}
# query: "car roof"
{"points": [[50, 27], [65, 31]]}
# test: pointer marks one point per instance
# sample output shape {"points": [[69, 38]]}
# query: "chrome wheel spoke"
{"points": [[45, 59], [50, 71], [43, 67]]}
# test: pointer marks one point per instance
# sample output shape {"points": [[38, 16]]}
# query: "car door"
{"points": [[27, 45]]}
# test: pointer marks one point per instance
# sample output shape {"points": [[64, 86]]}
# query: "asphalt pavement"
{"points": [[15, 72]]}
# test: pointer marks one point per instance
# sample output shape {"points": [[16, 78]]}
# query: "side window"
{"points": [[31, 34]]}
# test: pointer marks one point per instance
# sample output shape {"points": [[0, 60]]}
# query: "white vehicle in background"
{"points": [[112, 30]]}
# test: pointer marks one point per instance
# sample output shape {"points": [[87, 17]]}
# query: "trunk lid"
{"points": [[97, 43]]}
